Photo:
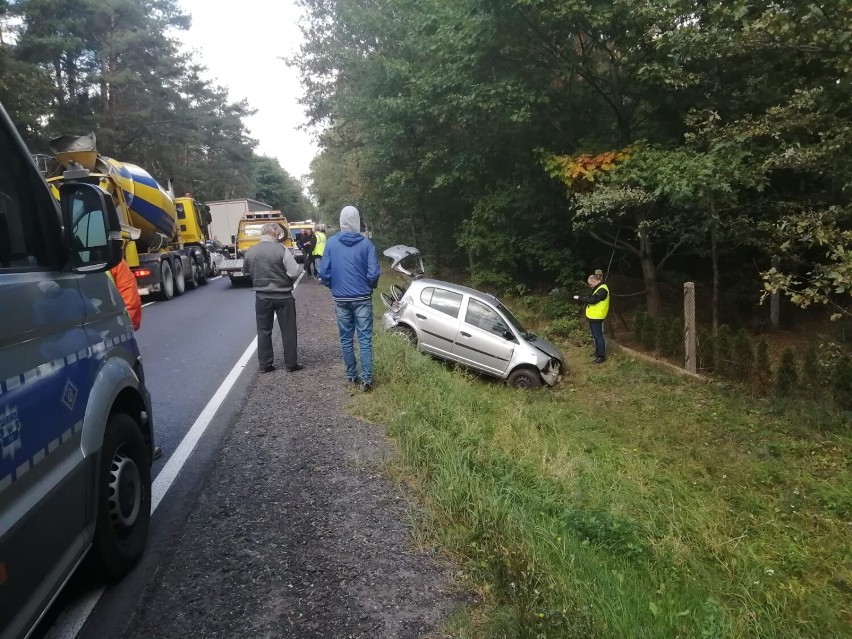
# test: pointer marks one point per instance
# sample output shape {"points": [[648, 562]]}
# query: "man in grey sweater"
{"points": [[274, 271]]}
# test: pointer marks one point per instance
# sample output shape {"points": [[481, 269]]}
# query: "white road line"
{"points": [[148, 304], [74, 616], [213, 279]]}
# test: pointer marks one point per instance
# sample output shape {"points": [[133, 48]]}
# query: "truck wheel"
{"points": [[203, 273], [524, 378], [180, 283], [167, 287], [124, 498], [194, 273]]}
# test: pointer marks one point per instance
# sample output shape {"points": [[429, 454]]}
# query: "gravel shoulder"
{"points": [[297, 531]]}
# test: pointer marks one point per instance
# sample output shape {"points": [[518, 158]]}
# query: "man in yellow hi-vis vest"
{"points": [[597, 307], [319, 249]]}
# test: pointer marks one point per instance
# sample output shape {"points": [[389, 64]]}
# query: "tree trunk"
{"points": [[649, 273], [714, 258]]}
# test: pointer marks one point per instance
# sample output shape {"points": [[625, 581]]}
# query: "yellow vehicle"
{"points": [[248, 234], [164, 237]]}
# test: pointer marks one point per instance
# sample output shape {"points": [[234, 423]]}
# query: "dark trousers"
{"points": [[596, 326], [266, 308], [309, 262]]}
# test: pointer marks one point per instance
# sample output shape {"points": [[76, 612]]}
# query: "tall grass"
{"points": [[624, 503]]}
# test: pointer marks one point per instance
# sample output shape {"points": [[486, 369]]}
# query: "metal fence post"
{"points": [[689, 345]]}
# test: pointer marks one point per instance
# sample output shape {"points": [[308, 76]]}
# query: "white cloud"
{"points": [[241, 44]]}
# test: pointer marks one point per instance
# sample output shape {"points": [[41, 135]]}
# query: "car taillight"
{"points": [[142, 272]]}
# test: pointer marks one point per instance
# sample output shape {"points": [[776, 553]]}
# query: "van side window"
{"points": [[486, 318], [446, 302], [22, 243]]}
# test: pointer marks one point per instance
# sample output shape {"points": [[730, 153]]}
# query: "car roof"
{"points": [[458, 288]]}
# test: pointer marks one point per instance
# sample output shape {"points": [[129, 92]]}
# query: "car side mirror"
{"points": [[91, 228]]}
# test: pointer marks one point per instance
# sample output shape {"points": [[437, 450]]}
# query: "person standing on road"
{"points": [[597, 308], [273, 271], [125, 282], [309, 241], [350, 268], [319, 249]]}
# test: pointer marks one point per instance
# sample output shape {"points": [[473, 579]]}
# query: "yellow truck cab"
{"points": [[248, 234]]}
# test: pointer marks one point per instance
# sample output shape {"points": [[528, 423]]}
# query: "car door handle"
{"points": [[419, 316], [463, 334]]}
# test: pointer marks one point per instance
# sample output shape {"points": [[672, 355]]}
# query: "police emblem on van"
{"points": [[69, 394], [10, 433]]}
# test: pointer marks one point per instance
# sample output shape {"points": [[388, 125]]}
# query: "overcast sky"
{"points": [[241, 44]]}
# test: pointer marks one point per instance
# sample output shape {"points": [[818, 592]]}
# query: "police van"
{"points": [[76, 432]]}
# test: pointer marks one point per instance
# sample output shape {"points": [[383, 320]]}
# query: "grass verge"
{"points": [[627, 502]]}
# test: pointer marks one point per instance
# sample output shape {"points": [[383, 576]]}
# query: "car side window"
{"points": [[446, 302], [23, 245], [484, 317], [426, 295]]}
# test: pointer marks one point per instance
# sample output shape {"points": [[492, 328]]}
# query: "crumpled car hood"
{"points": [[547, 348]]}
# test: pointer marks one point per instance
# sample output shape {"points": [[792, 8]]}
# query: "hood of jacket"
{"points": [[350, 220]]}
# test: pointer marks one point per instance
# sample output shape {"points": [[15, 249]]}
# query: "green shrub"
{"points": [[569, 327], [661, 340], [724, 347], [675, 341], [811, 373], [649, 333], [639, 325], [743, 356], [762, 367], [787, 377], [706, 351], [842, 383]]}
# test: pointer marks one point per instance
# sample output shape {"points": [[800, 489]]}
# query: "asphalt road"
{"points": [[189, 345]]}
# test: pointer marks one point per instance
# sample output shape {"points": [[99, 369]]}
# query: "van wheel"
{"points": [[524, 378], [180, 283], [406, 332], [167, 279], [124, 498]]}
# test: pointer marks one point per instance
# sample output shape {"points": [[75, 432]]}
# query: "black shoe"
{"points": [[267, 369], [354, 381], [158, 452], [293, 369], [598, 360], [366, 387]]}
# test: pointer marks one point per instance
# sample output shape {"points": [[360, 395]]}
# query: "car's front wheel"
{"points": [[524, 378], [124, 498], [406, 332]]}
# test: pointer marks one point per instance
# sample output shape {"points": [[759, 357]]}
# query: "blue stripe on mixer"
{"points": [[155, 216], [142, 177]]}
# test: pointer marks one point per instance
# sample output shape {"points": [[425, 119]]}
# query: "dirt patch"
{"points": [[297, 532]]}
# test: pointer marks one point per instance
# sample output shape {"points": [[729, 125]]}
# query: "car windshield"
{"points": [[514, 321]]}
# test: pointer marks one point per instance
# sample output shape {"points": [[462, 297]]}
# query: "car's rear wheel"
{"points": [[124, 498], [406, 332], [524, 378]]}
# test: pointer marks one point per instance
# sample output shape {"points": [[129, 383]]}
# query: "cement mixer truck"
{"points": [[164, 237]]}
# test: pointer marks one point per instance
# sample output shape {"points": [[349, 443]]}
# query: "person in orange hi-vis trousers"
{"points": [[125, 282]]}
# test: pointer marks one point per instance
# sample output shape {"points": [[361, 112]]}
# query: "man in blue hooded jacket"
{"points": [[350, 268]]}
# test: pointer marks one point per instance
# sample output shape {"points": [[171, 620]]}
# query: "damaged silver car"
{"points": [[463, 325]]}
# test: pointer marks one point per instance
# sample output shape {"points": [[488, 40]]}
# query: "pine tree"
{"points": [[787, 377], [842, 383]]}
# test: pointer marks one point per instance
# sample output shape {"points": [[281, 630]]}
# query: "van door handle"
{"points": [[463, 334], [419, 316]]}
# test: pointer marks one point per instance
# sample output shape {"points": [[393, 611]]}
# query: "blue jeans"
{"points": [[356, 317], [596, 326]]}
